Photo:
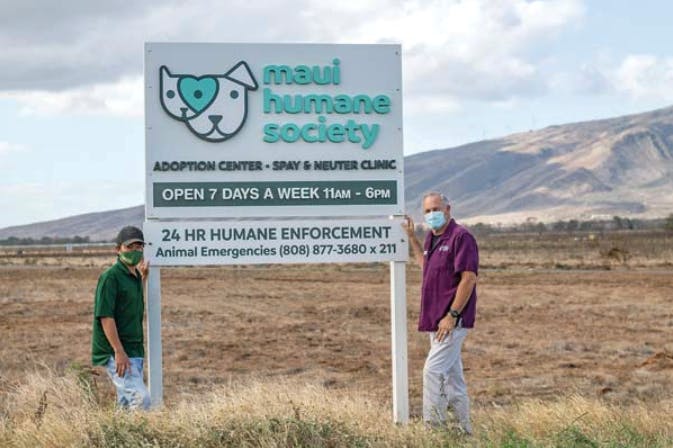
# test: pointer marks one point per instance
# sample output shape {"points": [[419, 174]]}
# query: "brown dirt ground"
{"points": [[540, 333]]}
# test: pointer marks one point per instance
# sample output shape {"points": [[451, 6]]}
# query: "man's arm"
{"points": [[122, 363], [468, 280], [416, 248]]}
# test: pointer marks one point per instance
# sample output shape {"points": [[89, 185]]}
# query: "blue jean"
{"points": [[131, 391]]}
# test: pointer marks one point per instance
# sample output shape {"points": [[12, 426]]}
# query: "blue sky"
{"points": [[71, 124]]}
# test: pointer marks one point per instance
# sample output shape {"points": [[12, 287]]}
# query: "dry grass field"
{"points": [[558, 319]]}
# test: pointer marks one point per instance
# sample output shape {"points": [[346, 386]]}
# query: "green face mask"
{"points": [[131, 258]]}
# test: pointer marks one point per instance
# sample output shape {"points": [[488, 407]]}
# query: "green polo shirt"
{"points": [[119, 294]]}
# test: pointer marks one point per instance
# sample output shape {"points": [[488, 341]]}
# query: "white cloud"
{"points": [[8, 147], [480, 49], [471, 49], [638, 77], [123, 98], [589, 79], [644, 76], [430, 104]]}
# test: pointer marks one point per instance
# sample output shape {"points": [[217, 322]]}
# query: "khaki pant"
{"points": [[443, 381]]}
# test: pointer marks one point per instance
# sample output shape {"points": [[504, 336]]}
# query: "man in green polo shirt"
{"points": [[119, 308]]}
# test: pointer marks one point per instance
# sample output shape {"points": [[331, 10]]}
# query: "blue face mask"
{"points": [[435, 220]]}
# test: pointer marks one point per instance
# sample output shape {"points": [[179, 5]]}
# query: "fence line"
{"points": [[68, 249]]}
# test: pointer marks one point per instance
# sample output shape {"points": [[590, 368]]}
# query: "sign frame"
{"points": [[369, 81], [181, 86]]}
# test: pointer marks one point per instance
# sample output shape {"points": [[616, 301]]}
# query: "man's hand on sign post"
{"points": [[143, 268], [408, 226]]}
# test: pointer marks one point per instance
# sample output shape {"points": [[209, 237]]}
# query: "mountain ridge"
{"points": [[619, 166], [614, 166]]}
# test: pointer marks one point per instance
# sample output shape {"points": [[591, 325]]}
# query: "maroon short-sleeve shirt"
{"points": [[454, 252]]}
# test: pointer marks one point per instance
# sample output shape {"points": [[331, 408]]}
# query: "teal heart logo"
{"points": [[198, 93]]}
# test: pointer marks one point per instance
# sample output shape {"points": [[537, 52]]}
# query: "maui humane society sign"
{"points": [[239, 132], [243, 130]]}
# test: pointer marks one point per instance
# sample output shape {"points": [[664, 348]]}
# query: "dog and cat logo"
{"points": [[214, 106]]}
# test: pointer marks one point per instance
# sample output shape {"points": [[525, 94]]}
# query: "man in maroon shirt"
{"points": [[450, 263]]}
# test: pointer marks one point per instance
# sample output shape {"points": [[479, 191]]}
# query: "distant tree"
{"points": [[530, 225], [12, 240], [481, 228], [586, 225], [668, 223], [558, 225], [15, 241], [572, 225], [618, 223]]}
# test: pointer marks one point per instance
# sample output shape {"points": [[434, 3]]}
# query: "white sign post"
{"points": [[154, 355], [398, 324], [275, 132]]}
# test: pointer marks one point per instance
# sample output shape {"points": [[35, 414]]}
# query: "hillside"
{"points": [[101, 226], [597, 169], [619, 166]]}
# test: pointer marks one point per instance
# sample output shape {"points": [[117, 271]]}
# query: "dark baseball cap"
{"points": [[129, 235]]}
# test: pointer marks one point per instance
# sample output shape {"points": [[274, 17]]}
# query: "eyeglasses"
{"points": [[136, 245]]}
